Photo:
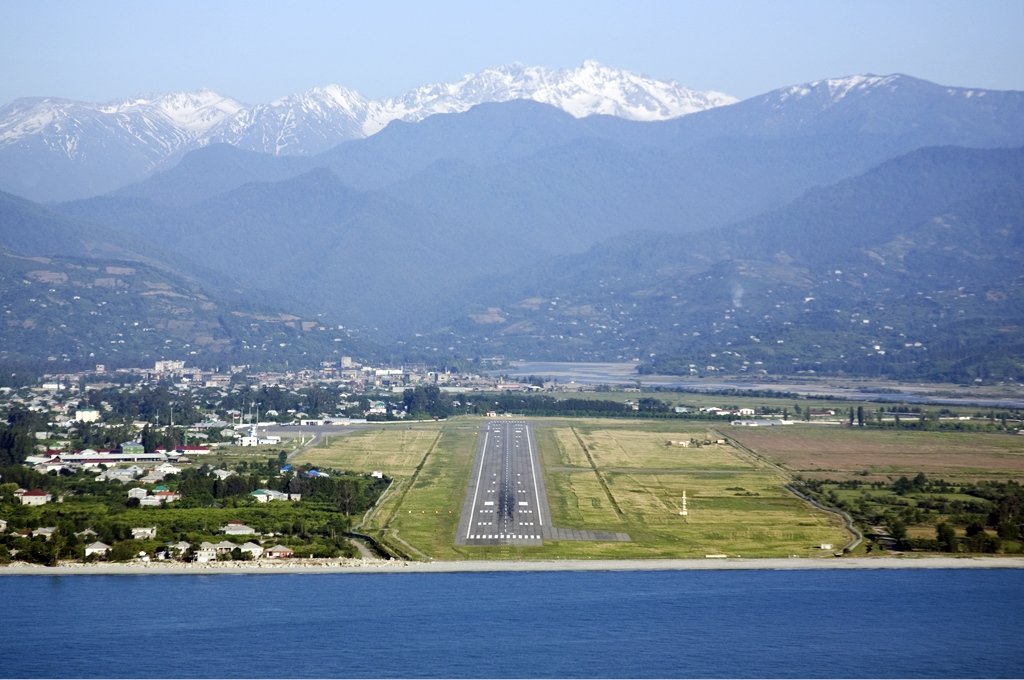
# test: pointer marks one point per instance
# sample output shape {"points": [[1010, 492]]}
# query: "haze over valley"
{"points": [[857, 225]]}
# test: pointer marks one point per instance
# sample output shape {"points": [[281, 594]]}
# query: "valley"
{"points": [[789, 234]]}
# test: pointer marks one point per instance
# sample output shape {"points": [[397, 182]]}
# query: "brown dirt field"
{"points": [[840, 452]]}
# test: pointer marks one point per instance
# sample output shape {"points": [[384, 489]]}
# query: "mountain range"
{"points": [[56, 149], [866, 225]]}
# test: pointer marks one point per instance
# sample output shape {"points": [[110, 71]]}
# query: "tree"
{"points": [[149, 439], [898, 530], [975, 529], [902, 486], [15, 445], [946, 536], [1008, 530]]}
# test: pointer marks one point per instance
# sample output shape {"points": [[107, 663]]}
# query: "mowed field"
{"points": [[395, 450], [626, 477], [600, 475], [836, 452], [429, 464]]}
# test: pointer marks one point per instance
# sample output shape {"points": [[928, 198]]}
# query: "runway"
{"points": [[505, 502]]}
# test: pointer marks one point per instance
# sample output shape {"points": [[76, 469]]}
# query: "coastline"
{"points": [[354, 566]]}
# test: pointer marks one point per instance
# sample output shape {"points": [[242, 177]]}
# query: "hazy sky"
{"points": [[258, 50]]}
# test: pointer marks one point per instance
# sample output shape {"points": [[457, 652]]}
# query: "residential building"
{"points": [[45, 532], [279, 552], [97, 548], [35, 497], [132, 448], [254, 549]]}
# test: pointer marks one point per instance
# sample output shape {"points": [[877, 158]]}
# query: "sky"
{"points": [[259, 50]]}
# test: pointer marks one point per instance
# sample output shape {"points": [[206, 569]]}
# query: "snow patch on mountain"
{"points": [[167, 122], [585, 91], [315, 120], [833, 90]]}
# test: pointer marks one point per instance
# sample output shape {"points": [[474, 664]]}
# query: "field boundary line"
{"points": [[412, 480], [847, 519], [372, 512], [597, 473], [758, 459], [789, 486]]}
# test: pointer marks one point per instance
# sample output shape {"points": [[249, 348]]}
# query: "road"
{"points": [[505, 502]]}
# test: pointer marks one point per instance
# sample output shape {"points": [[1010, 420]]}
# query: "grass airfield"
{"points": [[621, 476]]}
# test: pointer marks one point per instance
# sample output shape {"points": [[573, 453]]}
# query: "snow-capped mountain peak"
{"points": [[314, 120], [590, 89], [300, 123], [834, 90], [134, 136], [194, 113]]}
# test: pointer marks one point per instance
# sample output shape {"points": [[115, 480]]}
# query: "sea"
{"points": [[900, 623]]}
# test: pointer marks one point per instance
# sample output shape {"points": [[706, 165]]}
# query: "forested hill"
{"points": [[910, 270]]}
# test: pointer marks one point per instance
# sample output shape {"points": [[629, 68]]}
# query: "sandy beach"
{"points": [[350, 566]]}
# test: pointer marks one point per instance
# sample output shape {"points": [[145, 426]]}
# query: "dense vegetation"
{"points": [[977, 517], [313, 526]]}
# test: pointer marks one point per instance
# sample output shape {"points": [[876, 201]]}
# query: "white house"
{"points": [[138, 492], [267, 495], [97, 548], [166, 469], [237, 529], [142, 533], [279, 551], [45, 532], [166, 496], [86, 415], [253, 549], [206, 552], [123, 475], [35, 497], [224, 547], [178, 549]]}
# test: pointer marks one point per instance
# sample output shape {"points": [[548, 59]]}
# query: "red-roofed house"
{"points": [[35, 497]]}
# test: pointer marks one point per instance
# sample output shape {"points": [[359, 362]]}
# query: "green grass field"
{"points": [[394, 449], [636, 482]]}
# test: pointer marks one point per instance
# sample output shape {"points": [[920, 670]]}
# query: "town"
{"points": [[174, 463]]}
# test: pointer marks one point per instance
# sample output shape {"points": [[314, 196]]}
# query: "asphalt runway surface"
{"points": [[506, 503]]}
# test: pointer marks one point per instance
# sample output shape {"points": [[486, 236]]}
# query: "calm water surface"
{"points": [[906, 623]]}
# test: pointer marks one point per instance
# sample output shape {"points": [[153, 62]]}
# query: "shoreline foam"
{"points": [[349, 566]]}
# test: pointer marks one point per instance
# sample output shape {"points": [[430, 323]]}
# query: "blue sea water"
{"points": [[831, 623]]}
